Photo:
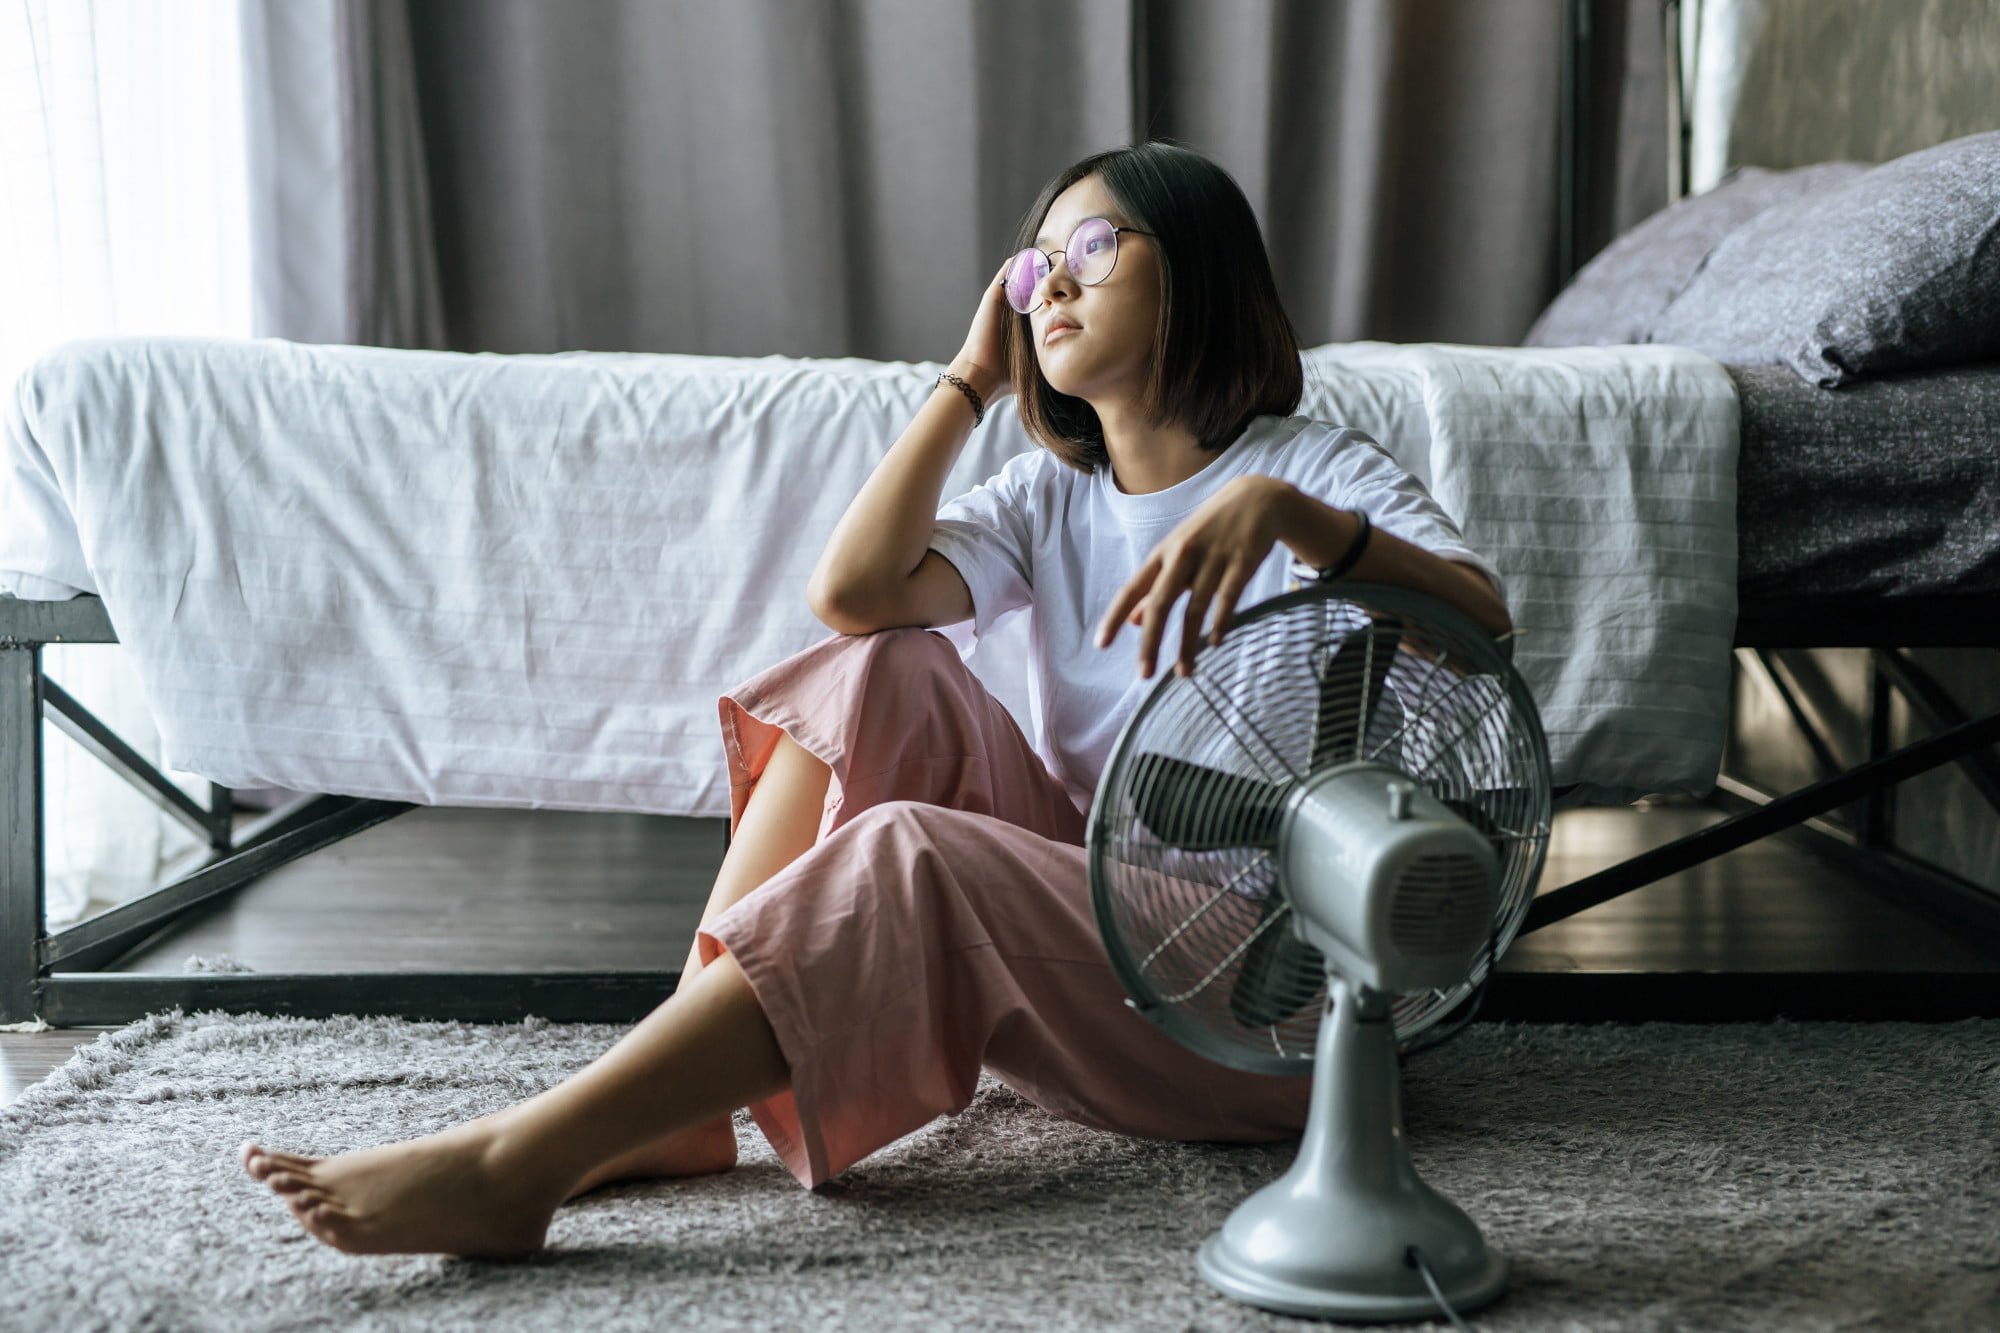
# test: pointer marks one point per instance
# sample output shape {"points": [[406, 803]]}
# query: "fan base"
{"points": [[1330, 1295], [1331, 1238]]}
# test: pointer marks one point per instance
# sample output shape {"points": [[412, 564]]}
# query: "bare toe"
{"points": [[260, 1162], [257, 1161], [288, 1182], [337, 1228], [327, 1225]]}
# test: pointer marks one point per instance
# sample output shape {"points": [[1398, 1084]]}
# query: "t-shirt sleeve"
{"points": [[988, 535], [1354, 472]]}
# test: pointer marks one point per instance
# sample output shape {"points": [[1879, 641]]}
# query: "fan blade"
{"points": [[1280, 975], [1353, 672], [1202, 809]]}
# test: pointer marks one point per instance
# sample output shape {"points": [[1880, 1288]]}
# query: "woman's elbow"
{"points": [[828, 606], [832, 612]]}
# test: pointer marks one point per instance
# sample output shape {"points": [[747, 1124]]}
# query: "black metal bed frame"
{"points": [[58, 978]]}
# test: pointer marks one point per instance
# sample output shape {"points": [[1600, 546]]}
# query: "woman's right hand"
{"points": [[983, 360]]}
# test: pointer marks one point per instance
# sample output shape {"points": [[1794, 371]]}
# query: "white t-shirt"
{"points": [[1044, 535]]}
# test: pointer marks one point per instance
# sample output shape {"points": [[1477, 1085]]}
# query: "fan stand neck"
{"points": [[1331, 1237]]}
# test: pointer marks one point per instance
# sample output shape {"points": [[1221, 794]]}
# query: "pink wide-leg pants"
{"points": [[941, 924]]}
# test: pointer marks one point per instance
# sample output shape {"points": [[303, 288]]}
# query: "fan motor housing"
{"points": [[1391, 885]]}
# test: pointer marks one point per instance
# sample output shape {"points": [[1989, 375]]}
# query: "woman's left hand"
{"points": [[1213, 553]]}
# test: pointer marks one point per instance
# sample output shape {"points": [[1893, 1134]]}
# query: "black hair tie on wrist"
{"points": [[1354, 548], [971, 394]]}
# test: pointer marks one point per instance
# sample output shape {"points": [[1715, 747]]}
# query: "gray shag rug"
{"points": [[1787, 1175]]}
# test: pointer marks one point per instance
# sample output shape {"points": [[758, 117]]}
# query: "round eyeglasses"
{"points": [[1091, 253]]}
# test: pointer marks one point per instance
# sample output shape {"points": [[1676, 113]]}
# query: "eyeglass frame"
{"points": [[1050, 255]]}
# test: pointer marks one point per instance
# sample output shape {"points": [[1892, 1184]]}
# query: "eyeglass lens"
{"points": [[1092, 250]]}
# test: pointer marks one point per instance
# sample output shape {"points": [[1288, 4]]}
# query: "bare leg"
{"points": [[778, 825], [491, 1186]]}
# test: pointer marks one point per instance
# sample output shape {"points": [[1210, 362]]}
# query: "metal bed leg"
{"points": [[1785, 682], [22, 904], [1935, 708], [1876, 813]]}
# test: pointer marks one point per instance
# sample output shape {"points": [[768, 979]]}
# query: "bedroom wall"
{"points": [[1937, 816], [1803, 81]]}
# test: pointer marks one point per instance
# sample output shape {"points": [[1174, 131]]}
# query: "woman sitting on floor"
{"points": [[906, 899]]}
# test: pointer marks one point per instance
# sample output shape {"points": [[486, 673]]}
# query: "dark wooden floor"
{"points": [[496, 890]]}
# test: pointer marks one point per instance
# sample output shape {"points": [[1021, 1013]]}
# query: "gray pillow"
{"points": [[1621, 292], [1896, 269]]}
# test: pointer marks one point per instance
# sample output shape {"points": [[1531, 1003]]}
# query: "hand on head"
{"points": [[983, 358]]}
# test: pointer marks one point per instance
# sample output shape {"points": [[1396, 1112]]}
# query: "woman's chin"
{"points": [[1061, 374]]}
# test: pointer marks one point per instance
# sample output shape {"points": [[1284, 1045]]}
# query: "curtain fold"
{"points": [[293, 148], [393, 298], [343, 244], [837, 177], [1418, 140]]}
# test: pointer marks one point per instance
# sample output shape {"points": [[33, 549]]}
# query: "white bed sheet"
{"points": [[514, 580], [1601, 482]]}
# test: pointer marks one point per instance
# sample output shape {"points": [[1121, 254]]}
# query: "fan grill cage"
{"points": [[1428, 914], [1192, 911]]}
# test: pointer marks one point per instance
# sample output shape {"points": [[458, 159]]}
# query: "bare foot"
{"points": [[449, 1193], [701, 1150]]}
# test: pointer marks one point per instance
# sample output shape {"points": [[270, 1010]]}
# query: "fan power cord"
{"points": [[1414, 1257]]}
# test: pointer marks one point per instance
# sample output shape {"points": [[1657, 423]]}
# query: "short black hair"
{"points": [[1224, 350]]}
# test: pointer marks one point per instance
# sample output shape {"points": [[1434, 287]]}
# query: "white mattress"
{"points": [[525, 580]]}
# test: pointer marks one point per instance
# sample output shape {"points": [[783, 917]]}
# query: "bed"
{"points": [[1867, 370], [1844, 544], [1842, 547]]}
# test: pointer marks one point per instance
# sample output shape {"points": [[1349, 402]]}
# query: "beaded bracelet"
{"points": [[978, 407]]}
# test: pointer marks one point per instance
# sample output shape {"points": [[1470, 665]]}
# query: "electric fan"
{"points": [[1315, 845]]}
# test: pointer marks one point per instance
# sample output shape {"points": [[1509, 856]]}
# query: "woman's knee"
{"points": [[904, 668], [901, 821], [923, 838], [924, 648]]}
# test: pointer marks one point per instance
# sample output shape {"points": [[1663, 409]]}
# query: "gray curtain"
{"points": [[838, 177], [343, 245], [1629, 126], [298, 230]]}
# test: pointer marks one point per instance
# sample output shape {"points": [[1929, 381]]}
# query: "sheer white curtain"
{"points": [[122, 170]]}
